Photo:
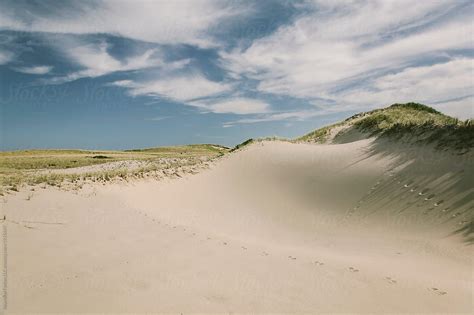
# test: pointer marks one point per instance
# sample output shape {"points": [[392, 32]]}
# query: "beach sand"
{"points": [[357, 227]]}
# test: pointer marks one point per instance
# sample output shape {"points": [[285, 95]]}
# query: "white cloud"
{"points": [[34, 69], [369, 20], [296, 115], [342, 43], [338, 51], [5, 57], [463, 109], [195, 90], [165, 22], [179, 88], [97, 61], [426, 84], [239, 105]]}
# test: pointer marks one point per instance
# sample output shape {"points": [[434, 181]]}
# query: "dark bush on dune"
{"points": [[100, 157], [243, 144]]}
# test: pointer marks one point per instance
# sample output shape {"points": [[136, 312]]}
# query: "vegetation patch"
{"points": [[420, 123], [317, 136], [32, 167], [100, 157], [243, 144], [412, 122]]}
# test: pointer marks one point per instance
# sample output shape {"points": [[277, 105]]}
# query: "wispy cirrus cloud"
{"points": [[96, 60], [294, 115], [431, 84], [34, 69], [233, 105], [181, 88], [196, 90], [343, 56], [164, 22], [342, 45]]}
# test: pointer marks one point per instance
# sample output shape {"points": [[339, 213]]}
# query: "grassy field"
{"points": [[30, 166]]}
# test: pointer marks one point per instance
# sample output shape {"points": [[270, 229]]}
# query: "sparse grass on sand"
{"points": [[319, 135], [411, 121], [31, 166]]}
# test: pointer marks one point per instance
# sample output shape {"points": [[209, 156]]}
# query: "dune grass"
{"points": [[411, 121], [319, 135], [421, 122], [257, 140], [188, 150], [25, 167], [243, 144]]}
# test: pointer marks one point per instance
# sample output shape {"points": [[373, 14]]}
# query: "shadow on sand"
{"points": [[424, 183]]}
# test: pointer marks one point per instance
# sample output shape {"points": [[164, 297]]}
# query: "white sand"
{"points": [[276, 227]]}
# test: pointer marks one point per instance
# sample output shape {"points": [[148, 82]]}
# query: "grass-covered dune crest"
{"points": [[409, 122]]}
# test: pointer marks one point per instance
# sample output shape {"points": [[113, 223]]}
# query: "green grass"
{"points": [[243, 144], [21, 167], [410, 114], [190, 150], [251, 141], [421, 123], [317, 136]]}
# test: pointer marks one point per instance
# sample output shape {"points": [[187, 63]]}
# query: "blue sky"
{"points": [[129, 74]]}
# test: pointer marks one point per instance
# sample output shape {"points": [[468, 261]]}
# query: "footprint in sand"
{"points": [[391, 280], [408, 184], [438, 203], [264, 253], [438, 291], [224, 243], [429, 197], [291, 257], [352, 269], [423, 192], [318, 263], [244, 248]]}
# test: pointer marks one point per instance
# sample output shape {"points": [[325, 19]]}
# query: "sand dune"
{"points": [[276, 227]]}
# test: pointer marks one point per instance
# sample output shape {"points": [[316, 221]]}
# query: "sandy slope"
{"points": [[276, 227]]}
